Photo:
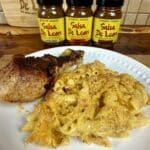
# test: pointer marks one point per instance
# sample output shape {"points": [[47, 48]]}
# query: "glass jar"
{"points": [[79, 22], [51, 20], [107, 19]]}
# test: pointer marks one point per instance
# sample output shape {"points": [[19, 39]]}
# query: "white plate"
{"points": [[11, 119]]}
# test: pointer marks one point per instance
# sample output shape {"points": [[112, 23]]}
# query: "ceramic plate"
{"points": [[11, 118]]}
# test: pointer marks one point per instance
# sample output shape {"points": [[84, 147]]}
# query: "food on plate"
{"points": [[27, 78], [89, 102]]}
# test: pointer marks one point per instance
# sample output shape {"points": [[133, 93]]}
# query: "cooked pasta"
{"points": [[89, 102]]}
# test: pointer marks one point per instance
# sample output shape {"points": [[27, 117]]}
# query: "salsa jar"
{"points": [[51, 20], [79, 17], [107, 20]]}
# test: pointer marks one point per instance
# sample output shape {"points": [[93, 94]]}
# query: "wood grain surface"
{"points": [[133, 45]]}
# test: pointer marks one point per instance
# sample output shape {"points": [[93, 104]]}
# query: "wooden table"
{"points": [[136, 45]]}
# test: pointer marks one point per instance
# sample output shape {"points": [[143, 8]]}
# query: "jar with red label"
{"points": [[51, 19], [107, 19], [79, 22]]}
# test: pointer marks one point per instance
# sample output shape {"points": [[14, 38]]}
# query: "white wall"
{"points": [[2, 17]]}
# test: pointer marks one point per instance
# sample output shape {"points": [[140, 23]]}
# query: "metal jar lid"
{"points": [[49, 2], [110, 3], [79, 2]]}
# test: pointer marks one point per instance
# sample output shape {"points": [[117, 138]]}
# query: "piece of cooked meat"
{"points": [[24, 79]]}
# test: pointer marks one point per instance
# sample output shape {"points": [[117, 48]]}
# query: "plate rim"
{"points": [[96, 48], [106, 50]]}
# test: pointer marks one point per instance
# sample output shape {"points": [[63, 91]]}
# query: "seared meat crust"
{"points": [[23, 79]]}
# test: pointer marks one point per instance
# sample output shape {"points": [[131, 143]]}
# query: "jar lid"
{"points": [[49, 2], [110, 3], [80, 2]]}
